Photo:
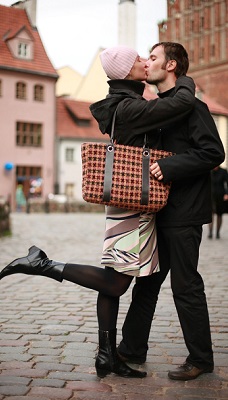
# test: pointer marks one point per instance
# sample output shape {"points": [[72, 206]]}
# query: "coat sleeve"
{"points": [[205, 149], [148, 115]]}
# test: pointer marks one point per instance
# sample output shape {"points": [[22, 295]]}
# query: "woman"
{"points": [[130, 247]]}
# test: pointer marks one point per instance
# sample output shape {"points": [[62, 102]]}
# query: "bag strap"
{"points": [[110, 148], [109, 163], [145, 176], [113, 125]]}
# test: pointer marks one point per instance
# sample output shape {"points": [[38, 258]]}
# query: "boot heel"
{"points": [[32, 250], [107, 360], [102, 373]]}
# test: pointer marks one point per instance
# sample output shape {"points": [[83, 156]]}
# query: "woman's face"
{"points": [[138, 71]]}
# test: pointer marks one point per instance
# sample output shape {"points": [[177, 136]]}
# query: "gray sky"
{"points": [[73, 30]]}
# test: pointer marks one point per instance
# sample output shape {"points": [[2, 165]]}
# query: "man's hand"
{"points": [[156, 171]]}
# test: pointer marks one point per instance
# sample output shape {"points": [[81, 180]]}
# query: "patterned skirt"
{"points": [[130, 244]]}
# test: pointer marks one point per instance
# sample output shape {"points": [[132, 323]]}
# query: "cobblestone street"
{"points": [[48, 330]]}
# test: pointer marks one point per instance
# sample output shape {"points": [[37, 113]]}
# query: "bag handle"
{"points": [[110, 149], [109, 162]]}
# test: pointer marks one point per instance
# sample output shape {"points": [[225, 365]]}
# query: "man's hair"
{"points": [[175, 51]]}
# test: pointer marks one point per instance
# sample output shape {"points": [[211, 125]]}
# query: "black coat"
{"points": [[137, 116], [199, 149], [165, 122]]}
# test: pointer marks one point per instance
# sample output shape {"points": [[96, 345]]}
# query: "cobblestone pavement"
{"points": [[48, 330]]}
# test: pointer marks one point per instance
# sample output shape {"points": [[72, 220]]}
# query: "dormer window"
{"points": [[21, 44], [23, 50]]}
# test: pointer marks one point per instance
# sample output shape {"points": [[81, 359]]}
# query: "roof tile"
{"points": [[69, 114], [12, 21]]}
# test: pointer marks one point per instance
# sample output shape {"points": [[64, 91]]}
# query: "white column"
{"points": [[127, 23]]}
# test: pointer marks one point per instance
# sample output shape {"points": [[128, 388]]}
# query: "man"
{"points": [[198, 149]]}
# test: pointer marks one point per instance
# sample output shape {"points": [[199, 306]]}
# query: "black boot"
{"points": [[107, 360], [35, 263]]}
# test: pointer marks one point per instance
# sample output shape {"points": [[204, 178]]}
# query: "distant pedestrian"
{"points": [[20, 198], [219, 192]]}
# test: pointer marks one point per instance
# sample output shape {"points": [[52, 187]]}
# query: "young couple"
{"points": [[176, 121]]}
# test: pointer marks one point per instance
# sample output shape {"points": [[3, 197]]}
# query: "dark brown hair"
{"points": [[175, 51]]}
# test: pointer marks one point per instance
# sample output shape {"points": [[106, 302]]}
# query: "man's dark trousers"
{"points": [[179, 253]]}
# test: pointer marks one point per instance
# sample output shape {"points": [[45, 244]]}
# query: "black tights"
{"points": [[109, 283]]}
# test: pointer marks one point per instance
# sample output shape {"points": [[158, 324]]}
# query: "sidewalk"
{"points": [[48, 330]]}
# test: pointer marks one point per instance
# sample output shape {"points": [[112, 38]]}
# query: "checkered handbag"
{"points": [[119, 176]]}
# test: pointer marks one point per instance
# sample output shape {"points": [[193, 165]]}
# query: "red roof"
{"points": [[12, 21], [74, 120], [213, 106]]}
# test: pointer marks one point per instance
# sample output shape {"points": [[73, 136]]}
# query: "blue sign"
{"points": [[8, 166]]}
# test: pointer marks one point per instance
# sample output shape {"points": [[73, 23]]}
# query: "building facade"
{"points": [[202, 27], [27, 106]]}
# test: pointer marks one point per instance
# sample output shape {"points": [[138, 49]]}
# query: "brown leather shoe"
{"points": [[187, 372]]}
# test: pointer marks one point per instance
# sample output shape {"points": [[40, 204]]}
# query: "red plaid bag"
{"points": [[127, 177], [119, 176]]}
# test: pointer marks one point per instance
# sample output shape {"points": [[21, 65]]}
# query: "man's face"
{"points": [[156, 66]]}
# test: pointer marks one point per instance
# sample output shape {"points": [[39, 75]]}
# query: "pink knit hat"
{"points": [[118, 61]]}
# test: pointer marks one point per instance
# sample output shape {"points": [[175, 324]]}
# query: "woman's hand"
{"points": [[156, 171]]}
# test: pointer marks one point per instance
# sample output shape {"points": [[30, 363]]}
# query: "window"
{"points": [[201, 23], [163, 26], [191, 57], [23, 50], [70, 155], [38, 93], [21, 90], [28, 134], [212, 50], [28, 172], [69, 190], [201, 53]]}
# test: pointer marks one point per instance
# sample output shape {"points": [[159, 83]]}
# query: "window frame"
{"points": [[38, 93], [21, 90], [28, 134], [70, 154]]}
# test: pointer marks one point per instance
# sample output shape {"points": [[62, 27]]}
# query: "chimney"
{"points": [[30, 7], [127, 23]]}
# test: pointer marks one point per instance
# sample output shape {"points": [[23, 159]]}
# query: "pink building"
{"points": [[27, 105]]}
